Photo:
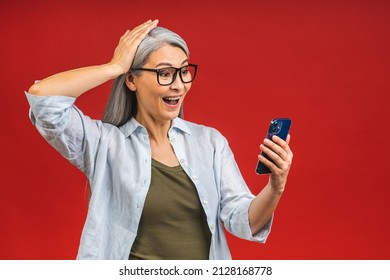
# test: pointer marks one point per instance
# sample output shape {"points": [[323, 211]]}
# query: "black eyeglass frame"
{"points": [[177, 70]]}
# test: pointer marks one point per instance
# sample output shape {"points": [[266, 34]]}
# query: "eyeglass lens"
{"points": [[168, 75]]}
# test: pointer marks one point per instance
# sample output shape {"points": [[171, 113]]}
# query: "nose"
{"points": [[177, 83]]}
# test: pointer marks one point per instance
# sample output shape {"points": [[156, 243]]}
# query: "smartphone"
{"points": [[280, 128]]}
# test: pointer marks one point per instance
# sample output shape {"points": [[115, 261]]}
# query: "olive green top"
{"points": [[173, 224]]}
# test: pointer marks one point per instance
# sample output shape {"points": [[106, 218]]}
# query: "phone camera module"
{"points": [[276, 127]]}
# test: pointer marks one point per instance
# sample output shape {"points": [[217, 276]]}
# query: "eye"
{"points": [[165, 73], [184, 71]]}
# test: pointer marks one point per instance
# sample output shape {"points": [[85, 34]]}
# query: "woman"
{"points": [[161, 187]]}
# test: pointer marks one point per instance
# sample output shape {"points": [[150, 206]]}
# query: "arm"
{"points": [[264, 204], [75, 82], [66, 128]]}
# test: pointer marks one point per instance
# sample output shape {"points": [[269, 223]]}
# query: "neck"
{"points": [[157, 129]]}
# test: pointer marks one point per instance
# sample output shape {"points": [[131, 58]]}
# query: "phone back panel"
{"points": [[280, 128]]}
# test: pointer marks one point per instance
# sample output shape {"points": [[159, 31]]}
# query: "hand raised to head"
{"points": [[125, 51]]}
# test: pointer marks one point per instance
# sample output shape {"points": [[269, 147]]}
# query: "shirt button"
{"points": [[205, 202], [194, 178], [182, 160], [173, 140]]}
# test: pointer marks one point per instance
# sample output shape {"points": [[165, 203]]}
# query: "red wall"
{"points": [[325, 64]]}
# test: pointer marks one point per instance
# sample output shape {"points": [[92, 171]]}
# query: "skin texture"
{"points": [[156, 116]]}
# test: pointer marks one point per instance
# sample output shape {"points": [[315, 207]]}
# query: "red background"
{"points": [[325, 64]]}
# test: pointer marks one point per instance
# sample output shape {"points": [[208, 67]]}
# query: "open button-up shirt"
{"points": [[117, 162]]}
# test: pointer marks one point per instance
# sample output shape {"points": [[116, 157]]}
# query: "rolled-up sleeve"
{"points": [[236, 199], [74, 135]]}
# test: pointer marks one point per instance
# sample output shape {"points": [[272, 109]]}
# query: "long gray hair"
{"points": [[122, 104]]}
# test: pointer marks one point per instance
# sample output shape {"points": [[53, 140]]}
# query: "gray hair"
{"points": [[122, 104]]}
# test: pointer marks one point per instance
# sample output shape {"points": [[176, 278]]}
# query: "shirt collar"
{"points": [[132, 125], [181, 124]]}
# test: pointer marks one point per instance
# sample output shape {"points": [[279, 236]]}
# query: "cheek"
{"points": [[148, 90]]}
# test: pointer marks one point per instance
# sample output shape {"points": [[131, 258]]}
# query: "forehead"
{"points": [[167, 54]]}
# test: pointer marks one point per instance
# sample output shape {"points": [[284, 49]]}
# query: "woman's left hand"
{"points": [[279, 151]]}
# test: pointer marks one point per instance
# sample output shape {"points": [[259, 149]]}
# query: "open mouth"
{"points": [[171, 100]]}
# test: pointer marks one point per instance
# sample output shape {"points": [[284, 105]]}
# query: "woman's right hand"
{"points": [[128, 44]]}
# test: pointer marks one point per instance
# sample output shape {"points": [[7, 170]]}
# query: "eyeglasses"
{"points": [[167, 75]]}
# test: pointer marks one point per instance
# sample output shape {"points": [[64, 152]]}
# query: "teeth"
{"points": [[172, 98]]}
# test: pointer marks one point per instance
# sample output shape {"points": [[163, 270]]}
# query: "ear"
{"points": [[130, 82]]}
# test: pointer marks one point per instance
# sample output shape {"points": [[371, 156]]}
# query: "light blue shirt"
{"points": [[117, 162]]}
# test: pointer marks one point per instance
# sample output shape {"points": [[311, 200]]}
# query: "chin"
{"points": [[172, 116]]}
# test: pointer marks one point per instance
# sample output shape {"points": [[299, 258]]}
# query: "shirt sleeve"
{"points": [[236, 199], [74, 135]]}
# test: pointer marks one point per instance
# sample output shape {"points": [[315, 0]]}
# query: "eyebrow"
{"points": [[169, 64]]}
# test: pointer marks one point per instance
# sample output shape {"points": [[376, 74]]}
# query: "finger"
{"points": [[142, 25], [283, 144], [145, 27], [131, 39], [276, 148], [124, 35], [288, 139], [135, 37], [141, 33], [130, 33], [273, 156], [146, 23], [129, 42], [268, 163]]}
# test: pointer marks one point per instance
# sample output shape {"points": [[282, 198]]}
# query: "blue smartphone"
{"points": [[280, 128]]}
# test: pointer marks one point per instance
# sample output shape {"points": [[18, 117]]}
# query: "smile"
{"points": [[171, 100]]}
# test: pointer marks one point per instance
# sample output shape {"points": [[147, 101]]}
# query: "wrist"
{"points": [[113, 70], [277, 189]]}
